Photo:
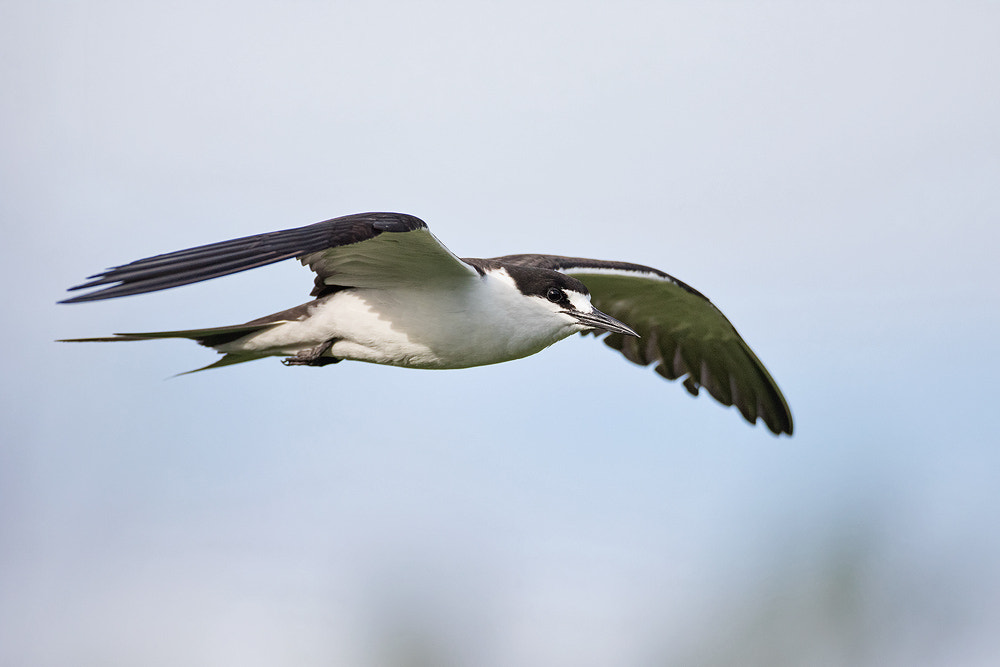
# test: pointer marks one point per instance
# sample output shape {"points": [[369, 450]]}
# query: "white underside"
{"points": [[485, 321]]}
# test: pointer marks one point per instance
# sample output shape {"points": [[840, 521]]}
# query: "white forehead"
{"points": [[580, 301]]}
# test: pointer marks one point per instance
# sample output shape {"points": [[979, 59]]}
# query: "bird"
{"points": [[387, 291]]}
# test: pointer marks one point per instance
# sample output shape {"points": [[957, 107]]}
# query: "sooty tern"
{"points": [[388, 292]]}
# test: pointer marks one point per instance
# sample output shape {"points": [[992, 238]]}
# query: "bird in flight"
{"points": [[388, 292]]}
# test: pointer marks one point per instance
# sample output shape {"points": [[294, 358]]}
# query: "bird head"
{"points": [[566, 298]]}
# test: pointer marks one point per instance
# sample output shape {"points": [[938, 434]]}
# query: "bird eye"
{"points": [[555, 295]]}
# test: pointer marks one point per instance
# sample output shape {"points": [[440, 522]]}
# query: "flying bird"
{"points": [[388, 292]]}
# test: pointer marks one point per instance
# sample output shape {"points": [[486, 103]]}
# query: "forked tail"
{"points": [[211, 337]]}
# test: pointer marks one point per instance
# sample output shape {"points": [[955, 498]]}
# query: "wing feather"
{"points": [[319, 243], [683, 334]]}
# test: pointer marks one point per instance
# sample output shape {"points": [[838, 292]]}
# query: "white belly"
{"points": [[415, 328]]}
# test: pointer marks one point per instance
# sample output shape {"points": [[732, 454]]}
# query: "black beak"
{"points": [[598, 320]]}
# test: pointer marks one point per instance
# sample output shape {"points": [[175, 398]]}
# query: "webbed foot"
{"points": [[313, 356]]}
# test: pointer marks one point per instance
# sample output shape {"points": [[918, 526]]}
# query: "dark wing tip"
{"points": [[732, 376], [226, 257]]}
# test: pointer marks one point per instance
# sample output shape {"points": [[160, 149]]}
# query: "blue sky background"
{"points": [[826, 172]]}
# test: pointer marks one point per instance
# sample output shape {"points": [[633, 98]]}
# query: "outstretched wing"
{"points": [[682, 333], [365, 249]]}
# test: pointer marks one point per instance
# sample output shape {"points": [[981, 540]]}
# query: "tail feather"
{"points": [[210, 337], [227, 360]]}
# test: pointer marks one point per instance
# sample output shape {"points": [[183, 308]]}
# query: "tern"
{"points": [[388, 292]]}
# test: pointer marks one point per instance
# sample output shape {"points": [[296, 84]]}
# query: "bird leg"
{"points": [[313, 356]]}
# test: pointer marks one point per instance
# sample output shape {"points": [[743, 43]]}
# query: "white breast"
{"points": [[485, 320]]}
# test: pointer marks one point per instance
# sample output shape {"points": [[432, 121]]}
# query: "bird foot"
{"points": [[313, 356]]}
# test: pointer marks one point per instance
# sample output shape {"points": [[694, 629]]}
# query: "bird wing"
{"points": [[683, 333], [366, 249]]}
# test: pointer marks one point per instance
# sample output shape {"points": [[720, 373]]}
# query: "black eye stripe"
{"points": [[533, 281]]}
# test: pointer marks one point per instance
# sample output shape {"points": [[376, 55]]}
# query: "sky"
{"points": [[827, 173]]}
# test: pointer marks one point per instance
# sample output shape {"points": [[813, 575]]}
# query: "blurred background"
{"points": [[827, 173]]}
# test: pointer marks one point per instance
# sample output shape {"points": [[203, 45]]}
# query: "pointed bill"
{"points": [[598, 320]]}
